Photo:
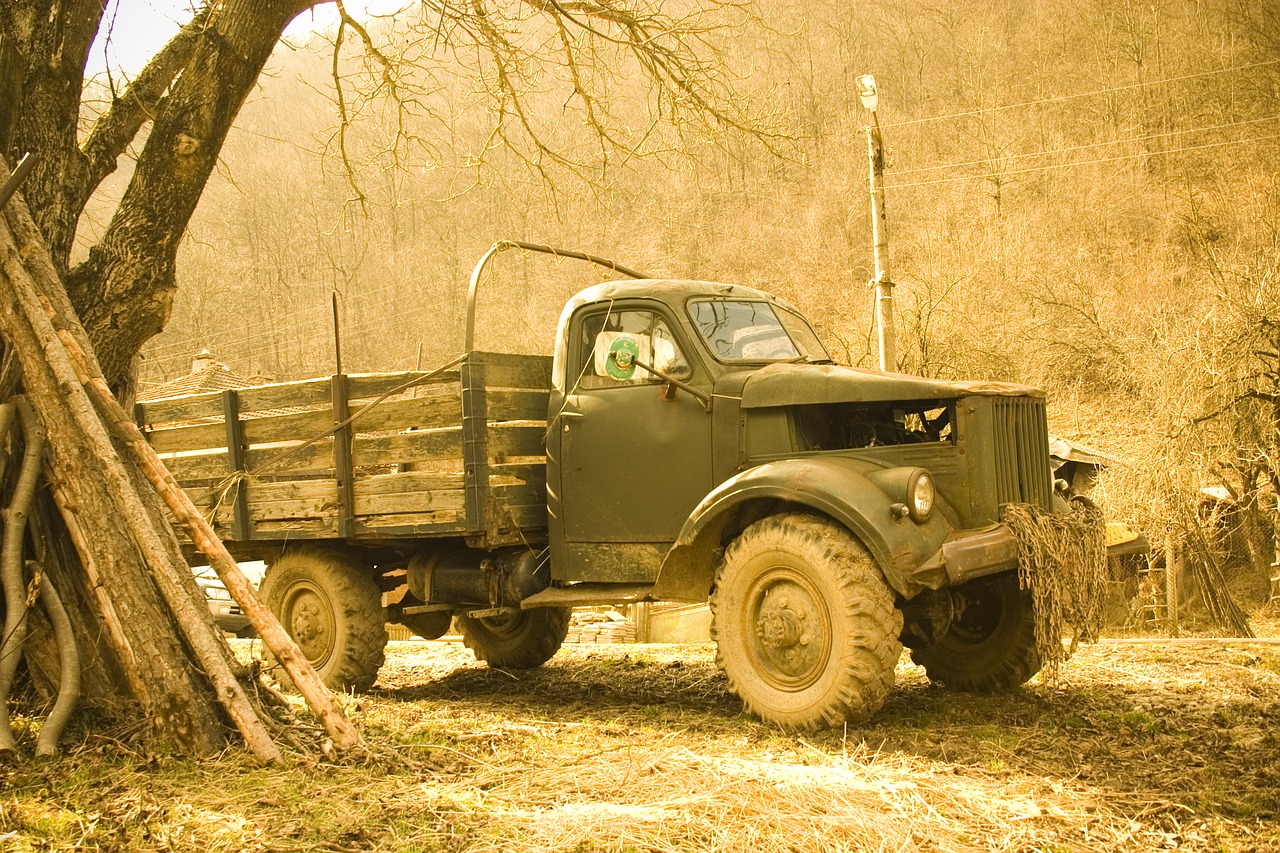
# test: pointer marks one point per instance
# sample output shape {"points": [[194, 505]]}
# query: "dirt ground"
{"points": [[1138, 747]]}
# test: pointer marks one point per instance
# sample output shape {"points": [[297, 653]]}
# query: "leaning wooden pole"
{"points": [[274, 637], [216, 664]]}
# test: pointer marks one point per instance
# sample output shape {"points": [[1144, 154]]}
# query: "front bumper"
{"points": [[967, 555], [971, 554]]}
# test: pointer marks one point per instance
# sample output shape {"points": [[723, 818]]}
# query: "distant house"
{"points": [[207, 374]]}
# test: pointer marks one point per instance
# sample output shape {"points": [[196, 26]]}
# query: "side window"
{"points": [[612, 345]]}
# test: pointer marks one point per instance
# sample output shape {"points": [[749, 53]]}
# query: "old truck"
{"points": [[686, 441]]}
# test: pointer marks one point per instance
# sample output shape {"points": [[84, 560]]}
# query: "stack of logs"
{"points": [[111, 491]]}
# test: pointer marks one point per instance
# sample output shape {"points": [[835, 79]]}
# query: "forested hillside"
{"points": [[1081, 193]]}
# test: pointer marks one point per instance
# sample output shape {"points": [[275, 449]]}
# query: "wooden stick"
{"points": [[110, 618], [276, 639]]}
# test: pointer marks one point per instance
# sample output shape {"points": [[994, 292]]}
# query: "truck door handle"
{"points": [[566, 416]]}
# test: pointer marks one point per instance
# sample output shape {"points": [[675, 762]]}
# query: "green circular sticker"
{"points": [[621, 364]]}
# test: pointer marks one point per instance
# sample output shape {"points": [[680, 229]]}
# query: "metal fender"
{"points": [[858, 494]]}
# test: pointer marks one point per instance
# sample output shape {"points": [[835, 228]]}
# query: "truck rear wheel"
{"points": [[804, 624], [523, 640], [330, 604], [991, 644]]}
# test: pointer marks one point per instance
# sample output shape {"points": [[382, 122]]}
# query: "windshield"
{"points": [[748, 330]]}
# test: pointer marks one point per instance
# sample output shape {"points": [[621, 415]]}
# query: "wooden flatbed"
{"points": [[370, 458]]}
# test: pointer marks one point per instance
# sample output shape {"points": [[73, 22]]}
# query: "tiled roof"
{"points": [[215, 377]]}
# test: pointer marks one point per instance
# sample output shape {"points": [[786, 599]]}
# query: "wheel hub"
{"points": [[779, 627], [306, 623], [310, 623], [792, 629]]}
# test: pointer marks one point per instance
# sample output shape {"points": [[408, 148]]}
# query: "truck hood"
{"points": [[796, 384]]}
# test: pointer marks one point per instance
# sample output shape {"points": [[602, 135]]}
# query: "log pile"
{"points": [[111, 492], [587, 626]]}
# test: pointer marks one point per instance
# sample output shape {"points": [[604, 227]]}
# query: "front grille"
{"points": [[1022, 452]]}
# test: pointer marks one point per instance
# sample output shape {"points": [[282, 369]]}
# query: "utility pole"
{"points": [[879, 227]]}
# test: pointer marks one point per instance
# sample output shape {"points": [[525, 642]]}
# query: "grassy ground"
{"points": [[639, 748]]}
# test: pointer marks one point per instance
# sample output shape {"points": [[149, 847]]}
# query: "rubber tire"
{"points": [[819, 566], [526, 640], [329, 602], [991, 644]]}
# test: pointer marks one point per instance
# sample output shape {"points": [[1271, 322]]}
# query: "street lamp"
{"points": [[870, 97], [867, 92]]}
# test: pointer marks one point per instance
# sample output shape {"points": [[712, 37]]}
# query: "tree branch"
{"points": [[119, 125]]}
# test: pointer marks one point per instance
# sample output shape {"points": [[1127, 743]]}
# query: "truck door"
{"points": [[634, 453]]}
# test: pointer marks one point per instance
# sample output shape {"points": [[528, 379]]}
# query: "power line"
{"points": [[309, 317], [1126, 140], [1086, 162], [1090, 94]]}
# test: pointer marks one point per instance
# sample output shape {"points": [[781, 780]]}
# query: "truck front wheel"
{"points": [[805, 626], [523, 640], [991, 644], [330, 604]]}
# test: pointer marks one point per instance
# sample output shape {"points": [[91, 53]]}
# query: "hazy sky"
{"points": [[133, 30]]}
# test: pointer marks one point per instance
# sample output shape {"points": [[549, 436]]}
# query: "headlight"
{"points": [[920, 496]]}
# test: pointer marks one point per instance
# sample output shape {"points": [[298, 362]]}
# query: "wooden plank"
{"points": [[371, 523], [205, 466], [365, 386], [293, 499], [408, 503], [188, 408], [532, 473], [293, 426], [189, 438], [313, 527], [309, 508], [518, 405], [408, 481], [288, 490], [343, 470], [519, 440], [423, 413], [283, 395], [313, 457], [514, 496], [413, 446], [447, 527], [253, 399], [316, 457], [506, 370]]}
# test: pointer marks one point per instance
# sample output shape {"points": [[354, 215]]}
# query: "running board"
{"points": [[589, 594]]}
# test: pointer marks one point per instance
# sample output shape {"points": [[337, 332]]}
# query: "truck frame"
{"points": [[688, 441]]}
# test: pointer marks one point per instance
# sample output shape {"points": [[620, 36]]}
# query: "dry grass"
{"points": [[638, 748]]}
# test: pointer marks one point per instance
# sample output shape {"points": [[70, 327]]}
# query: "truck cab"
{"points": [[687, 420]]}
